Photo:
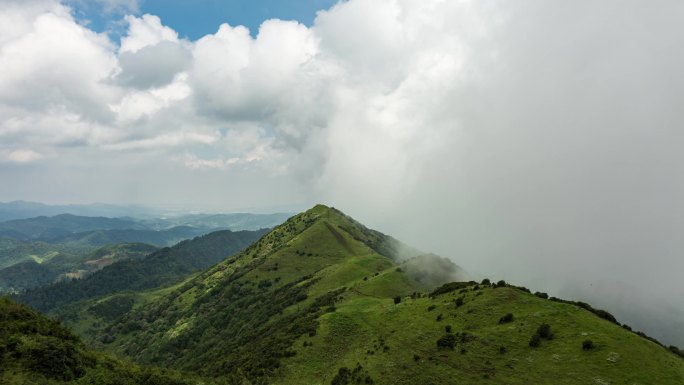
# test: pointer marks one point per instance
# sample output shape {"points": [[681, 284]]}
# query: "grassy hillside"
{"points": [[434, 340], [324, 300], [259, 302], [36, 350], [14, 251]]}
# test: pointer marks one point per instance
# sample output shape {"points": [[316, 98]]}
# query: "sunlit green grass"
{"points": [[410, 332]]}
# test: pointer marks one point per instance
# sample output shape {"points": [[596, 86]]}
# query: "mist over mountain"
{"points": [[536, 143]]}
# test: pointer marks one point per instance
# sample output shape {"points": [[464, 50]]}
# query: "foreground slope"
{"points": [[36, 350], [459, 337]]}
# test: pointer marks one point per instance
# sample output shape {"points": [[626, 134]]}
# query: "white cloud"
{"points": [[57, 63], [23, 156], [138, 104], [153, 66], [145, 31], [237, 77], [17, 16], [193, 162]]}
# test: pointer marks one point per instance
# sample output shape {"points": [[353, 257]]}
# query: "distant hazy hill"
{"points": [[37, 350], [98, 231], [39, 239], [323, 300], [160, 238], [53, 228], [151, 216], [23, 210], [163, 267], [235, 221]]}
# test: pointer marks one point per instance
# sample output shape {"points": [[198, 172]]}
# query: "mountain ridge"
{"points": [[299, 265]]}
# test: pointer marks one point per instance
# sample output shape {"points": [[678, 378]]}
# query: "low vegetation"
{"points": [[37, 350]]}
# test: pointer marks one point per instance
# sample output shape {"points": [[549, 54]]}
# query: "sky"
{"points": [[538, 142], [193, 19]]}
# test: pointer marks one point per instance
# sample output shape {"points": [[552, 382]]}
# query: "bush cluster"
{"points": [[448, 341], [543, 332], [346, 376], [506, 318]]}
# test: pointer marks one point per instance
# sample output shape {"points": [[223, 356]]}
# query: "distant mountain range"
{"points": [[68, 227], [52, 229], [37, 251], [24, 209], [163, 267]]}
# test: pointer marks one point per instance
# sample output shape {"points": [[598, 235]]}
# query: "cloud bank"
{"points": [[532, 141]]}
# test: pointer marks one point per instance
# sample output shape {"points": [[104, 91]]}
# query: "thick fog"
{"points": [[533, 141], [553, 160]]}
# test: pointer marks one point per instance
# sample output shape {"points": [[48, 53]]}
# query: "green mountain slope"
{"points": [[36, 350], [259, 302], [324, 300], [435, 340], [61, 266], [163, 267], [14, 251]]}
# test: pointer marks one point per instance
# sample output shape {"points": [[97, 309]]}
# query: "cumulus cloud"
{"points": [[531, 141], [236, 77], [144, 32], [153, 66], [56, 64]]}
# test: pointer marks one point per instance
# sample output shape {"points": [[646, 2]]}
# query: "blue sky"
{"points": [[196, 18]]}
